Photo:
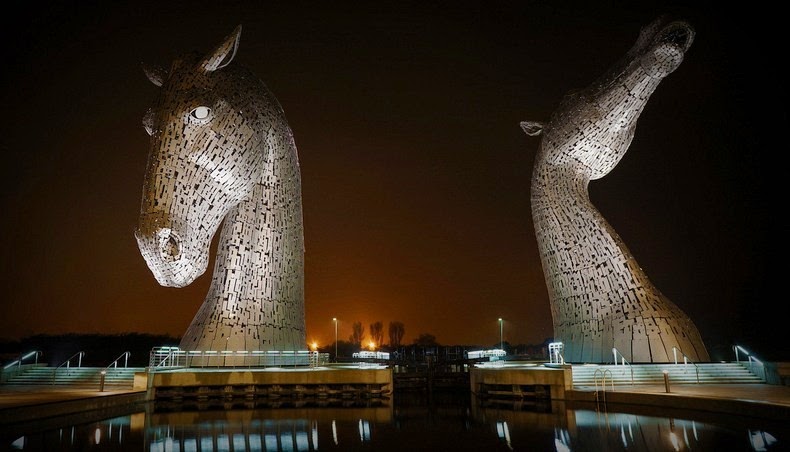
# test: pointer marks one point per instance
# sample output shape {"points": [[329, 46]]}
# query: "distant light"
{"points": [[314, 346], [372, 345]]}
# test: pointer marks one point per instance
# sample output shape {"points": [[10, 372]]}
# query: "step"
{"points": [[75, 376], [710, 373]]}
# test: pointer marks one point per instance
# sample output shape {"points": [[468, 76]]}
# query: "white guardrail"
{"points": [[173, 357]]}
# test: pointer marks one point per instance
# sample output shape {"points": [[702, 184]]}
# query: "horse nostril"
{"points": [[171, 248], [169, 245], [678, 34]]}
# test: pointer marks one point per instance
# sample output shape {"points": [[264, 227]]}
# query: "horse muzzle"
{"points": [[169, 257], [668, 49]]}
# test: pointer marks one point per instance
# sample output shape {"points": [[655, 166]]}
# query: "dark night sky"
{"points": [[415, 171]]}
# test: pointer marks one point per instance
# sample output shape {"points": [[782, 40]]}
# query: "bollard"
{"points": [[666, 380], [101, 381]]}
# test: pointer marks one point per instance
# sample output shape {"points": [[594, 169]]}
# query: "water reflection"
{"points": [[286, 429], [418, 421], [116, 433]]}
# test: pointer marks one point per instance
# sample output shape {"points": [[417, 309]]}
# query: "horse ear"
{"points": [[223, 54], [532, 128], [155, 74]]}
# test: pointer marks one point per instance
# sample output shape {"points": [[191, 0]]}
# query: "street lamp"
{"points": [[501, 345], [334, 319]]}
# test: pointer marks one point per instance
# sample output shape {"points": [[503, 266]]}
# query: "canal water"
{"points": [[449, 421]]}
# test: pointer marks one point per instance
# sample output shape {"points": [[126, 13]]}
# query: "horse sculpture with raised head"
{"points": [[222, 152], [600, 298]]}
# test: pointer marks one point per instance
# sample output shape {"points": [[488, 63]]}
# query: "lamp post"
{"points": [[334, 319], [500, 334]]}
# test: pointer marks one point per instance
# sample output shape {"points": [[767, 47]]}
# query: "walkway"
{"points": [[26, 403], [758, 400]]}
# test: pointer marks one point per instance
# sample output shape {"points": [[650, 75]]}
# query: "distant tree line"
{"points": [[358, 340], [395, 334], [99, 349]]}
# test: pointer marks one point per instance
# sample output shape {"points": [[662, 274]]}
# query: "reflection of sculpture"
{"points": [[249, 426], [221, 149], [600, 297]]}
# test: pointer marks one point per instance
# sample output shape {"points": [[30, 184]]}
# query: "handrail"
{"points": [[67, 363], [749, 355], [158, 352], [18, 361], [170, 357], [686, 360], [124, 355], [752, 359], [624, 363], [555, 353]]}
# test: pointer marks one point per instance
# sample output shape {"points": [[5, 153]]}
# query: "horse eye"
{"points": [[200, 112]]}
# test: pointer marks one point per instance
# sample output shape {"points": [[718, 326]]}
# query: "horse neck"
{"points": [[571, 232], [565, 219], [261, 243]]}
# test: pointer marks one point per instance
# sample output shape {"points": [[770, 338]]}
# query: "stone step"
{"points": [[75, 376], [710, 373]]}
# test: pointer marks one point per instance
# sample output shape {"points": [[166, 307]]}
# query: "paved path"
{"points": [[19, 396], [758, 400], [757, 393]]}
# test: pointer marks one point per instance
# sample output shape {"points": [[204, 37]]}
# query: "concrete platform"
{"points": [[295, 385], [754, 400], [27, 403]]}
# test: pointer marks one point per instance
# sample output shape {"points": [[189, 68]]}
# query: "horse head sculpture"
{"points": [[600, 297], [605, 114], [222, 151]]}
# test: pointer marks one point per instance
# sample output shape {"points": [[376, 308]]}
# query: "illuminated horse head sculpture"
{"points": [[600, 297], [222, 152]]}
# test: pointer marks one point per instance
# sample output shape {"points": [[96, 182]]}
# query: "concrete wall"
{"points": [[558, 379], [262, 377]]}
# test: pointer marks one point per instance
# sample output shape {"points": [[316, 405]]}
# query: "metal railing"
{"points": [[624, 362], [756, 366], [555, 353], [125, 356], [18, 362], [173, 357], [686, 360], [15, 367], [67, 364], [162, 357]]}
